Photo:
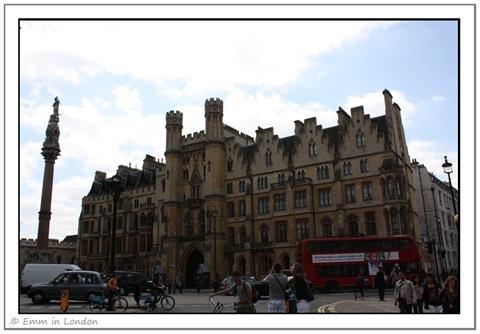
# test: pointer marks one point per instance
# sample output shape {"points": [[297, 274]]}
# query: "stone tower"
{"points": [[50, 152], [215, 156], [173, 190]]}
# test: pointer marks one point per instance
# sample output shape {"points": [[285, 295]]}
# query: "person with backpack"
{"points": [[304, 294], [244, 292]]}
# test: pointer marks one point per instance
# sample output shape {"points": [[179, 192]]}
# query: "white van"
{"points": [[41, 273]]}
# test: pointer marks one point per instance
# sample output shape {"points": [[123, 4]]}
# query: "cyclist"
{"points": [[244, 294], [155, 290], [112, 290]]}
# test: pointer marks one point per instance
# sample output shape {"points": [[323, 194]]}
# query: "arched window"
{"points": [[362, 166], [367, 166], [397, 184], [395, 222], [353, 227], [327, 172], [345, 168], [319, 173], [391, 187], [265, 265], [359, 141], [327, 227], [150, 219], [364, 141], [349, 168], [264, 233], [230, 165]]}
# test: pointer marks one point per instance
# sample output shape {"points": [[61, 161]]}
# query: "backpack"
{"points": [[255, 294]]}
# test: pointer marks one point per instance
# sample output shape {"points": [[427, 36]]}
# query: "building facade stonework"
{"points": [[436, 215], [225, 201]]}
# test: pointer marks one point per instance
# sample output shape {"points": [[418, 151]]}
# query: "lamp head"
{"points": [[447, 166]]}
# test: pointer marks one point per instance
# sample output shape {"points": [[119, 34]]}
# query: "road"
{"points": [[188, 302]]}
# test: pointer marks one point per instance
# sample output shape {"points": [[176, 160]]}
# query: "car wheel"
{"points": [[331, 286], [38, 298]]}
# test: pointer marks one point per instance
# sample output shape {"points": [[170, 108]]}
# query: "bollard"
{"points": [[64, 300]]}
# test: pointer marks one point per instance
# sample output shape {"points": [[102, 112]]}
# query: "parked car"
{"points": [[42, 273], [261, 287], [129, 281], [81, 285]]}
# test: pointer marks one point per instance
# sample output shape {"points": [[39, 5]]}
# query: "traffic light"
{"points": [[428, 247]]}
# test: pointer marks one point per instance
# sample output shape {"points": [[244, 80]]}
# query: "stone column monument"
{"points": [[50, 152]]}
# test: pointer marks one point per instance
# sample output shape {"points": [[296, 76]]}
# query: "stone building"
{"points": [[224, 200], [61, 251], [436, 215]]}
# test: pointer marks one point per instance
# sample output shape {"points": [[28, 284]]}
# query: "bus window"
{"points": [[405, 244]]}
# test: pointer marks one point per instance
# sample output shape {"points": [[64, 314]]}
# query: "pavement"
{"points": [[369, 305]]}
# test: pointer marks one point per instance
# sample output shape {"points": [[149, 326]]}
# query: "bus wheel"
{"points": [[331, 286]]}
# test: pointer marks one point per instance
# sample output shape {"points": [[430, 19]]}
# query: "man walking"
{"points": [[405, 295], [243, 291]]}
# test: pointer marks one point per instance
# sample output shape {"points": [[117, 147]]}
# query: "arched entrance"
{"points": [[194, 259]]}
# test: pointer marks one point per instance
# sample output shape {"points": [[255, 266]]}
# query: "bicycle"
{"points": [[98, 303], [145, 301], [218, 307]]}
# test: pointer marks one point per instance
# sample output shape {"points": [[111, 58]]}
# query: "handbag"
{"points": [[310, 297]]}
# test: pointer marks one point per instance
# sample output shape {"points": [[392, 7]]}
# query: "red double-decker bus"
{"points": [[332, 263]]}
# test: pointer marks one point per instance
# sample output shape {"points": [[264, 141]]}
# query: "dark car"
{"points": [[261, 287], [81, 285], [129, 282]]}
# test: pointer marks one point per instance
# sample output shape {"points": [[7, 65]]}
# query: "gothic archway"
{"points": [[194, 259]]}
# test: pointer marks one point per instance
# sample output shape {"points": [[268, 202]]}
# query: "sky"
{"points": [[117, 79]]}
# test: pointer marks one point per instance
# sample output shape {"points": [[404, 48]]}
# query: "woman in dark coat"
{"points": [[380, 283]]}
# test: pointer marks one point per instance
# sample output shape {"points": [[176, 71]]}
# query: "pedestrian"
{"points": [[112, 290], [380, 282], [157, 287], [394, 275], [277, 283], [359, 281], [405, 295], [199, 283], [178, 284], [301, 288], [243, 291], [292, 296], [449, 296], [417, 284], [443, 275], [431, 291]]}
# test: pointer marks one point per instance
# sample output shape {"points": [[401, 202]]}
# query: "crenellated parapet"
{"points": [[174, 118], [214, 105]]}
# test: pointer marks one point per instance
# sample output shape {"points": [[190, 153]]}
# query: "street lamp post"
{"points": [[115, 187], [214, 216], [443, 260], [447, 168]]}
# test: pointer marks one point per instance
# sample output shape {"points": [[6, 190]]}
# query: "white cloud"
{"points": [[374, 105], [200, 55], [438, 99], [427, 153]]}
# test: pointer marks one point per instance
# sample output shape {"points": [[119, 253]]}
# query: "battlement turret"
{"points": [[213, 105], [174, 118]]}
